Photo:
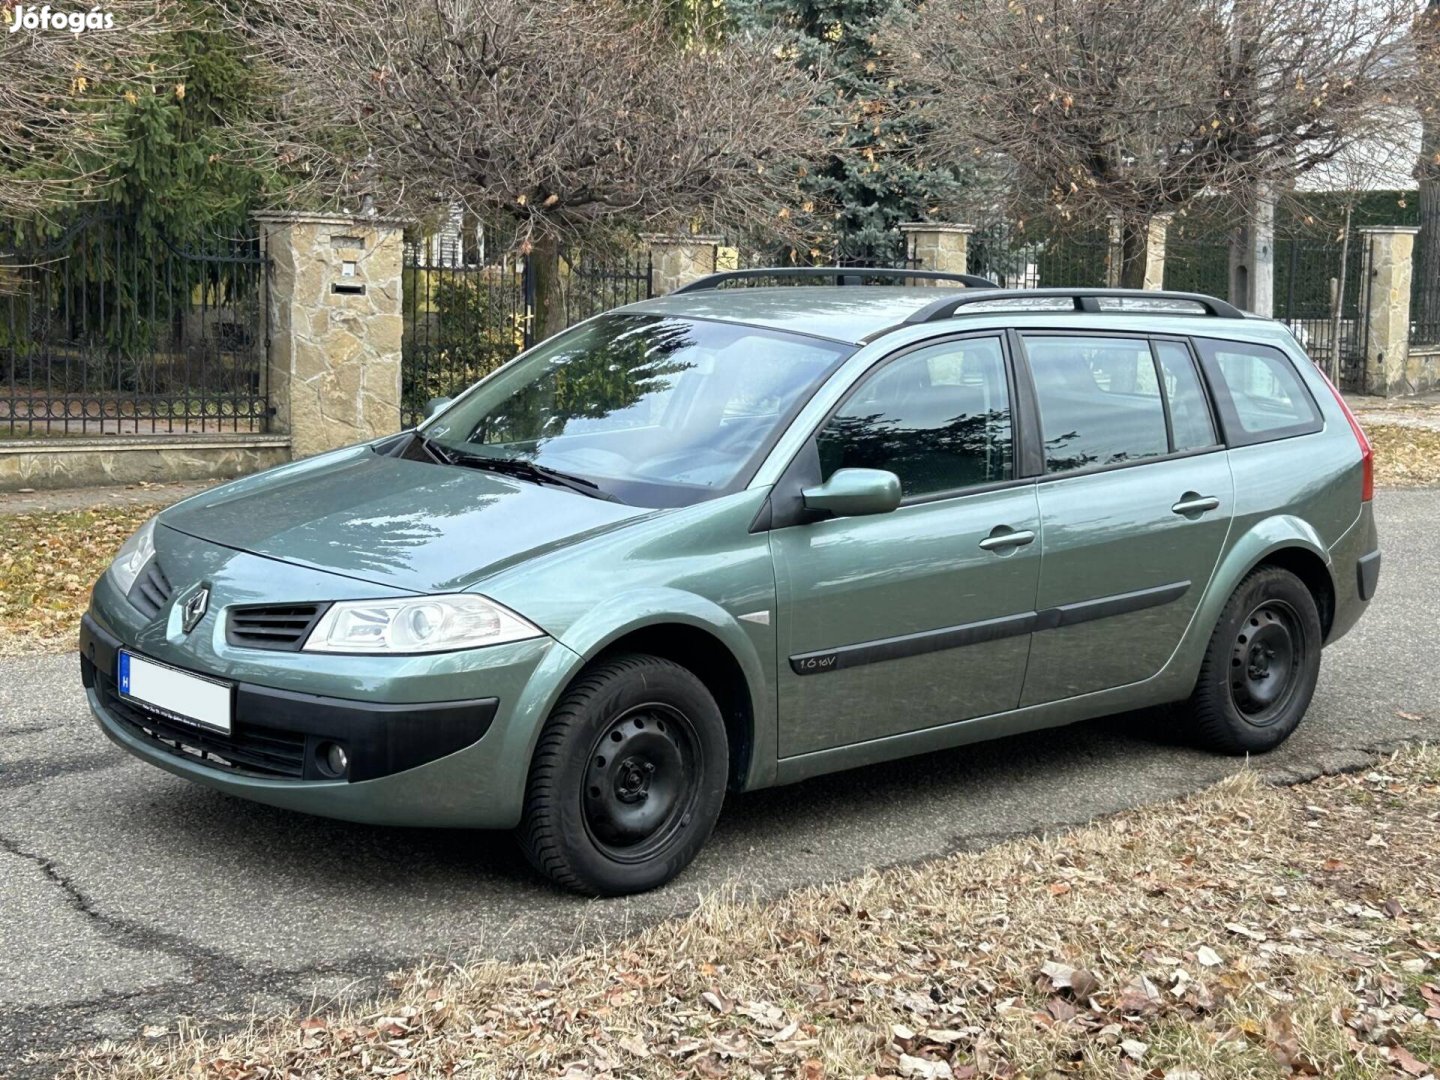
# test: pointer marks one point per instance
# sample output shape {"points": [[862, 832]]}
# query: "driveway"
{"points": [[128, 897]]}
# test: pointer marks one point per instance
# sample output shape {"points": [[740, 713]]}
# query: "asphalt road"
{"points": [[129, 898]]}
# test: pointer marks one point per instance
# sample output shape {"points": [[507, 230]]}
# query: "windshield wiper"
{"points": [[529, 470], [435, 450]]}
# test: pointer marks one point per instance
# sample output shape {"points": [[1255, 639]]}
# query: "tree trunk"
{"points": [[1427, 245], [549, 300], [1134, 250]]}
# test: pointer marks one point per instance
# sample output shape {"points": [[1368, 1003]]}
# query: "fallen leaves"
{"points": [[1404, 455], [1247, 933], [48, 564]]}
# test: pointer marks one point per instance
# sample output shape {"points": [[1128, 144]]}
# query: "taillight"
{"points": [[1367, 453]]}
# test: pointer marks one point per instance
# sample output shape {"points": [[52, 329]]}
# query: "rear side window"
{"points": [[1190, 422], [1258, 390], [938, 418], [1100, 401]]}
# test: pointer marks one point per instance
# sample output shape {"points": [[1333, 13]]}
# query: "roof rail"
{"points": [[1087, 300], [843, 275]]}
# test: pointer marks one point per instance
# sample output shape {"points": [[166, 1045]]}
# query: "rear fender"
{"points": [[1251, 548]]}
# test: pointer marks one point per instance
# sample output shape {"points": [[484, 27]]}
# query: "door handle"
{"points": [[1001, 541], [1191, 503]]}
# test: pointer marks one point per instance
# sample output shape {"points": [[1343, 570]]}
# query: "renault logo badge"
{"points": [[195, 608]]}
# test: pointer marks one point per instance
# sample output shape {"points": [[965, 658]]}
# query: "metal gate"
{"points": [[463, 320], [104, 331]]}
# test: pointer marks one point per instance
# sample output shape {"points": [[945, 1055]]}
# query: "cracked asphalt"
{"points": [[129, 898]]}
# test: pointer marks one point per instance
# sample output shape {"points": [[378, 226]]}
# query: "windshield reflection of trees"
{"points": [[968, 449], [604, 374]]}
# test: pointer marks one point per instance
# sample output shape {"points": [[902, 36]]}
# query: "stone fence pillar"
{"points": [[1385, 307], [935, 245], [1155, 252], [334, 296], [678, 259]]}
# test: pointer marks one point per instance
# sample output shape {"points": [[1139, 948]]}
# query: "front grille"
{"points": [[152, 590], [256, 752], [283, 627]]}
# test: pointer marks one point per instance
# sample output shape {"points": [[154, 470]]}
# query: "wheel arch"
{"points": [[701, 636], [710, 660], [1314, 574], [1282, 540]]}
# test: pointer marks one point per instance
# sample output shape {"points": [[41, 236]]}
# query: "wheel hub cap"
{"points": [[1264, 661], [640, 783]]}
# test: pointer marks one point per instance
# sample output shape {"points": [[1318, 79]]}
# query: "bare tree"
{"points": [[561, 118], [56, 78], [1119, 110]]}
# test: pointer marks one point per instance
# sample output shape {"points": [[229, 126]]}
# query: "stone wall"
{"points": [[1422, 369], [335, 328], [94, 462]]}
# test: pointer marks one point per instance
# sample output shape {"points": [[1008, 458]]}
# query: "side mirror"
{"points": [[434, 405], [851, 492]]}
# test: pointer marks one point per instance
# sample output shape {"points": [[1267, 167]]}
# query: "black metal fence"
{"points": [[462, 321], [1425, 294], [1016, 259], [107, 332]]}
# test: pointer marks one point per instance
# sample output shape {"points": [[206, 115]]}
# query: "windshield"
{"points": [[653, 410]]}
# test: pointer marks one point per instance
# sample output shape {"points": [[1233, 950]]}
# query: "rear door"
{"points": [[1135, 506]]}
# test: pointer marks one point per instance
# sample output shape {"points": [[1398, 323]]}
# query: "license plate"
{"points": [[177, 694]]}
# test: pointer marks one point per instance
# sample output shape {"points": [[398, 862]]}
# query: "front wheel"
{"points": [[1260, 667], [627, 779]]}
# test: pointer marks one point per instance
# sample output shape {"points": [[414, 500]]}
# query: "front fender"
{"points": [[607, 623], [1250, 548]]}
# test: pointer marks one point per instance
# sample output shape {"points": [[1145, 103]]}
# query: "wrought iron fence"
{"points": [[106, 332], [1425, 293], [592, 285], [1016, 259], [461, 322]]}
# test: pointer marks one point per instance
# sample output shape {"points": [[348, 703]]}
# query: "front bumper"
{"points": [[283, 734]]}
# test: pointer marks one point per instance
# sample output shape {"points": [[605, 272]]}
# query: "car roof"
{"points": [[847, 313], [856, 314]]}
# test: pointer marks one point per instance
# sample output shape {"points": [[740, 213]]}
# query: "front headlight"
{"points": [[132, 557], [421, 624]]}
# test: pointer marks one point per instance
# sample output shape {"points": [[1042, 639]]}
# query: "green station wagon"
{"points": [[740, 536]]}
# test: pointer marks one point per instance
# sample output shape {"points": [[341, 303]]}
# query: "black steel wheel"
{"points": [[628, 778], [640, 788], [1260, 668]]}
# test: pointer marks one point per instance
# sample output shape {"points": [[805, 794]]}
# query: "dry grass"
{"points": [[48, 563], [1246, 932], [1404, 455]]}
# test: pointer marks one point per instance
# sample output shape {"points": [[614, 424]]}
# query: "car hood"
{"points": [[406, 524]]}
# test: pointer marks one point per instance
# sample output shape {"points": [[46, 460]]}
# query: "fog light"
{"points": [[333, 759]]}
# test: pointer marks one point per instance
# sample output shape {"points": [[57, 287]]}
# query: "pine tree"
{"points": [[874, 180]]}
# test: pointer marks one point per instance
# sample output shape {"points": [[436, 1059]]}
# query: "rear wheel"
{"points": [[627, 779], [1260, 667]]}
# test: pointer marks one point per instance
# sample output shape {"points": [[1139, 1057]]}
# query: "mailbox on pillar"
{"points": [[335, 327]]}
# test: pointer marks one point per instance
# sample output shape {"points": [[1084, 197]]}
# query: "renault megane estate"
{"points": [[739, 536]]}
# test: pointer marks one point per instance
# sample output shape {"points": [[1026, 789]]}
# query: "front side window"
{"points": [[938, 418], [1100, 401], [1266, 397], [648, 409]]}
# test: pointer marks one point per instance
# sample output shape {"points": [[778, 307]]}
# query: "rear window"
{"points": [[1100, 401], [1261, 393]]}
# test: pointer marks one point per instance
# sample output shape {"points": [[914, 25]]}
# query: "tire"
{"points": [[1260, 667], [627, 779]]}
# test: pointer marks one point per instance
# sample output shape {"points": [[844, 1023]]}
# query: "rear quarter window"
{"points": [[1258, 391]]}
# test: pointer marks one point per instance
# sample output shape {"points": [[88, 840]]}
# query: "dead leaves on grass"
{"points": [[1405, 455], [48, 564], [1247, 933]]}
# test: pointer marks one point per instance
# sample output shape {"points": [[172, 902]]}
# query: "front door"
{"points": [[1135, 508], [897, 622]]}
